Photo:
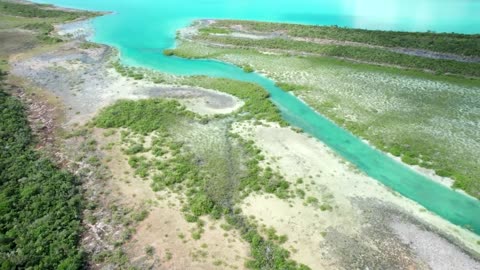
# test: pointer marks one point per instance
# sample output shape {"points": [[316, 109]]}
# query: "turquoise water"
{"points": [[142, 29]]}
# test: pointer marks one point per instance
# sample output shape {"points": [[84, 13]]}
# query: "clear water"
{"points": [[142, 29]]}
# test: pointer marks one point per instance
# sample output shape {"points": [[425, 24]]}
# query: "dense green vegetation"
{"points": [[364, 54], [214, 177], [37, 17], [40, 205], [439, 42], [40, 11]]}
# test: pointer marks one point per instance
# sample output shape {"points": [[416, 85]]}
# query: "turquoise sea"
{"points": [[142, 29]]}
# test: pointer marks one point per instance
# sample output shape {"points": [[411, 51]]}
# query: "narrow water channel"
{"points": [[141, 30]]}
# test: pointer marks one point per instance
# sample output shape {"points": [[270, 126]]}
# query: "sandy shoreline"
{"points": [[358, 205]]}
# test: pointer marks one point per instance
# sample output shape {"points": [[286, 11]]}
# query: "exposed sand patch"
{"points": [[15, 41], [303, 225], [352, 219], [165, 229], [423, 242], [76, 29]]}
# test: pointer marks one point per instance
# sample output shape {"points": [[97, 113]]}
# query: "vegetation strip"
{"points": [[460, 44], [364, 54], [39, 18], [213, 188], [40, 204], [346, 93]]}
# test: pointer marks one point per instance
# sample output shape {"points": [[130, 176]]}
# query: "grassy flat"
{"points": [[425, 119]]}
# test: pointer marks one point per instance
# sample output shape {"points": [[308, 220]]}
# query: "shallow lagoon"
{"points": [[141, 30]]}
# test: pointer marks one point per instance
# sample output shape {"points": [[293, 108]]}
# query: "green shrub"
{"points": [[140, 216], [191, 218], [168, 52], [312, 200], [288, 86], [196, 235], [143, 116], [134, 149], [300, 193], [326, 207], [248, 69], [150, 251], [200, 204]]}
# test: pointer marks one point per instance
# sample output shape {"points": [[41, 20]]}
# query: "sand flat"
{"points": [[361, 206]]}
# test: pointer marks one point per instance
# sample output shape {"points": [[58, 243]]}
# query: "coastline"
{"points": [[428, 173], [271, 141], [420, 170], [231, 56]]}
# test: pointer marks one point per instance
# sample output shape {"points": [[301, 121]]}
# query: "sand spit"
{"points": [[84, 81], [362, 228], [77, 29]]}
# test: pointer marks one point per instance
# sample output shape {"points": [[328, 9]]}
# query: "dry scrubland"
{"points": [[202, 173]]}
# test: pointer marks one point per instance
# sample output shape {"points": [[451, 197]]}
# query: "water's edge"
{"points": [[458, 208]]}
